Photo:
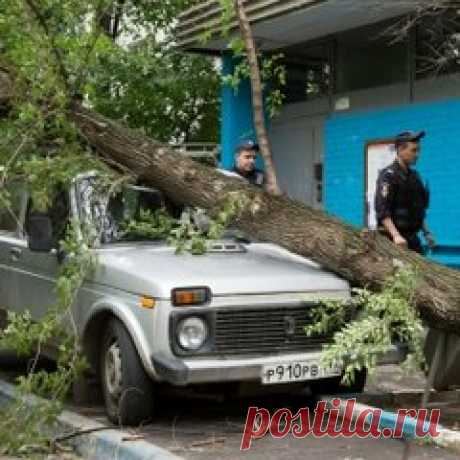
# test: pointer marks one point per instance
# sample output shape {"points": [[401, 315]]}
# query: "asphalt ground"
{"points": [[205, 427], [197, 428]]}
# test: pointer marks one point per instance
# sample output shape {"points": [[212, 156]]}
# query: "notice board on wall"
{"points": [[379, 155]]}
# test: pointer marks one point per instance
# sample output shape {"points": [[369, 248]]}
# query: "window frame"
{"points": [[28, 199], [19, 232]]}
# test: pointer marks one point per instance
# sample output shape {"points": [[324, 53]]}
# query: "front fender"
{"points": [[138, 322]]}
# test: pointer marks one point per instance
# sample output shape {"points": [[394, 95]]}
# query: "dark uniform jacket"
{"points": [[402, 196], [255, 177]]}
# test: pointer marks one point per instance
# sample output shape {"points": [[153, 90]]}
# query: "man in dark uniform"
{"points": [[401, 197], [245, 163]]}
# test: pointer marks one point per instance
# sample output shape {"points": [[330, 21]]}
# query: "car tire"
{"points": [[127, 389], [334, 385]]}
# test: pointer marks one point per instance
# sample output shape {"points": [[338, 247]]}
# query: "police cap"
{"points": [[409, 136], [247, 144]]}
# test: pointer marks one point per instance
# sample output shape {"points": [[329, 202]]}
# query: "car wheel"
{"points": [[127, 389], [334, 385]]}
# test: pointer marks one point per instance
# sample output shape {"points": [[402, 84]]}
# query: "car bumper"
{"points": [[230, 369]]}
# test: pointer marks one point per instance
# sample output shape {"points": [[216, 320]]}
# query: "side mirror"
{"points": [[40, 232]]}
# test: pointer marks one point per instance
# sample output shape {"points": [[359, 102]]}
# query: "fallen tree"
{"points": [[364, 258]]}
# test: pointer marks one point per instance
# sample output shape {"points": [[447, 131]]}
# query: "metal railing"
{"points": [[199, 150]]}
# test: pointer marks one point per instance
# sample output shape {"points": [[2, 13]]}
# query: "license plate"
{"points": [[296, 372]]}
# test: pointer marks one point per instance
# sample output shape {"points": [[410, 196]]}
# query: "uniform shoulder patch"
{"points": [[385, 189]]}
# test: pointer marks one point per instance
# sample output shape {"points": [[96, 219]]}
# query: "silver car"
{"points": [[147, 315]]}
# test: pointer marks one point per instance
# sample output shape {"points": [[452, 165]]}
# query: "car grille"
{"points": [[270, 331]]}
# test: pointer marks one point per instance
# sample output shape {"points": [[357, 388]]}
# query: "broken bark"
{"points": [[363, 258]]}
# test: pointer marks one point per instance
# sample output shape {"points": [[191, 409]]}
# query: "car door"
{"points": [[12, 244], [39, 270]]}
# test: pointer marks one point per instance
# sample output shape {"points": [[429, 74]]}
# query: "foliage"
{"points": [[272, 71], [196, 229], [168, 95], [227, 16], [60, 49], [144, 17], [39, 145], [384, 317], [26, 336], [150, 225], [187, 236], [148, 84]]}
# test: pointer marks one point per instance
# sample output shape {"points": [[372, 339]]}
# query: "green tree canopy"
{"points": [[169, 95], [119, 55]]}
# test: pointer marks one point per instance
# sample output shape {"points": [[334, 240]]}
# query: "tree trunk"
{"points": [[364, 258], [257, 99]]}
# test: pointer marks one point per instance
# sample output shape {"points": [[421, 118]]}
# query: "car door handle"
{"points": [[15, 253]]}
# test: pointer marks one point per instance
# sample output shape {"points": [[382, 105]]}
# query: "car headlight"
{"points": [[191, 333]]}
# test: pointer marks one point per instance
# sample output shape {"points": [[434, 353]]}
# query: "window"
{"points": [[58, 213], [10, 207], [308, 71], [369, 57], [106, 218]]}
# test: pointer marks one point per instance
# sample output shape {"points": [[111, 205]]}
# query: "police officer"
{"points": [[401, 197], [245, 163]]}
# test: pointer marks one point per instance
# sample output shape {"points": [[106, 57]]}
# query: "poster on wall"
{"points": [[378, 156]]}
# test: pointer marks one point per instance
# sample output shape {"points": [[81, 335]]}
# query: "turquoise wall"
{"points": [[346, 135], [345, 138], [237, 118]]}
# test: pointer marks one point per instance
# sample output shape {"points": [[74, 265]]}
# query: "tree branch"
{"points": [[257, 99]]}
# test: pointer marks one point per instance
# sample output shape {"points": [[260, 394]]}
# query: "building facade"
{"points": [[355, 79]]}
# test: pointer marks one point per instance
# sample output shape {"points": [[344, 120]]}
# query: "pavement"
{"points": [[392, 389], [203, 427], [200, 428]]}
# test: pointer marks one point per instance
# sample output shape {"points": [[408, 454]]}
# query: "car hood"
{"points": [[262, 268]]}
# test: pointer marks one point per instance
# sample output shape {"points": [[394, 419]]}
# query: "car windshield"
{"points": [[132, 214]]}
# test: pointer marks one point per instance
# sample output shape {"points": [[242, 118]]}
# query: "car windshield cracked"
{"points": [[130, 214]]}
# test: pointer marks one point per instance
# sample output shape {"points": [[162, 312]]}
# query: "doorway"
{"points": [[298, 155]]}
